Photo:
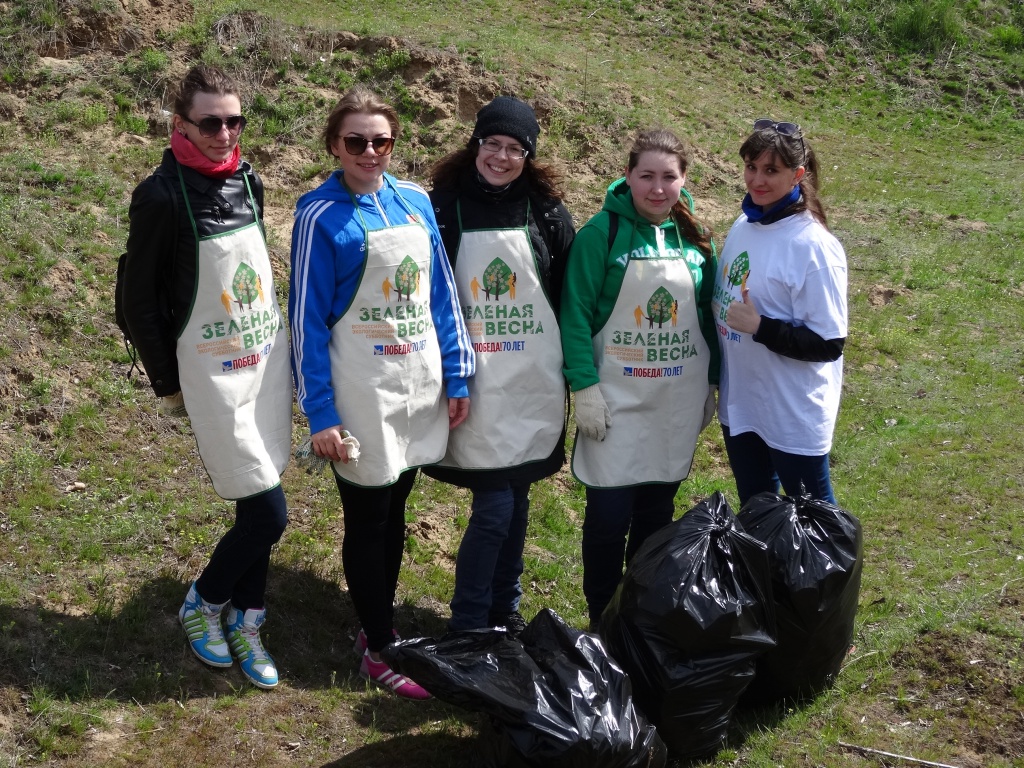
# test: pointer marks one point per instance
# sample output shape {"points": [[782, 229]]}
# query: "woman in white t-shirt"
{"points": [[780, 308]]}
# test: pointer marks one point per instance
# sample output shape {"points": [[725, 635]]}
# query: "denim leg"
{"points": [[653, 508], [751, 461], [488, 528], [605, 525], [812, 471], [506, 588]]}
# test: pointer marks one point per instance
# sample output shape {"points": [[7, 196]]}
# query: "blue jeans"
{"points": [[612, 515], [490, 559], [759, 468]]}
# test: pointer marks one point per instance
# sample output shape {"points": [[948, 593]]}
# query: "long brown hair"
{"points": [[543, 180], [202, 79], [793, 151], [357, 101], [661, 140]]}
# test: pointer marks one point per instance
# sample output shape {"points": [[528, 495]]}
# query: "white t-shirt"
{"points": [[795, 271]]}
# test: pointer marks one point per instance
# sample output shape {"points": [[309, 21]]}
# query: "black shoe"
{"points": [[514, 623]]}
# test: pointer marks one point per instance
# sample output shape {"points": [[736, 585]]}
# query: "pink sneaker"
{"points": [[381, 674], [360, 645]]}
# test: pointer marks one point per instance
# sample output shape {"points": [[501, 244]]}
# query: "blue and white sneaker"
{"points": [[201, 621], [243, 632]]}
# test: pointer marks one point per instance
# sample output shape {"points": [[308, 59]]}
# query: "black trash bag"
{"points": [[687, 623], [554, 698], [816, 554]]}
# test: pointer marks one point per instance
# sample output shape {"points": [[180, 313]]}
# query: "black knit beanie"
{"points": [[506, 116]]}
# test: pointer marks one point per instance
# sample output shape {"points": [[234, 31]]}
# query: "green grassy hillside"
{"points": [[106, 514]]}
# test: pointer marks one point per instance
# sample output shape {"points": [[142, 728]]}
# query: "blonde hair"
{"points": [[357, 101]]}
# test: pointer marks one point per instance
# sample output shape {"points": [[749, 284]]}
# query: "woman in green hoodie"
{"points": [[641, 355]]}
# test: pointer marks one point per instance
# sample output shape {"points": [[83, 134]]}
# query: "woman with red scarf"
{"points": [[201, 307]]}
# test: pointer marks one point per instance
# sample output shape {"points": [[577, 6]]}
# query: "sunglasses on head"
{"points": [[786, 129], [211, 126], [356, 145]]}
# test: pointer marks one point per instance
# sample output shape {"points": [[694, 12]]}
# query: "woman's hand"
{"points": [[458, 411], [743, 316], [174, 405], [327, 443]]}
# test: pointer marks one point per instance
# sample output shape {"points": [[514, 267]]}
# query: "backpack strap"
{"points": [[613, 228]]}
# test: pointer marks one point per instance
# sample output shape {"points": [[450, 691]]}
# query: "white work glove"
{"points": [[592, 414], [709, 406], [350, 443], [173, 405]]}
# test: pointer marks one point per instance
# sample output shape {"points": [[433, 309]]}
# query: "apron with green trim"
{"points": [[233, 363], [385, 359], [517, 397], [652, 361]]}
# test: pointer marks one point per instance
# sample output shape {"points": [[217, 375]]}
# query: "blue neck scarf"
{"points": [[756, 213]]}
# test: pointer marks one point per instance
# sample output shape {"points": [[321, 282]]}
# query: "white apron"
{"points": [[518, 392], [233, 364], [385, 360], [652, 361]]}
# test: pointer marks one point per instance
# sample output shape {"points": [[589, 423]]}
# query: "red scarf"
{"points": [[189, 155]]}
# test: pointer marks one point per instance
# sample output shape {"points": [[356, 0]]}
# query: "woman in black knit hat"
{"points": [[507, 235]]}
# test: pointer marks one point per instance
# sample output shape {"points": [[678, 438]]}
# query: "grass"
{"points": [[106, 512]]}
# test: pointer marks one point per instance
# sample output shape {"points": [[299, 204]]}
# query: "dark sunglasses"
{"points": [[786, 129], [211, 126], [356, 145]]}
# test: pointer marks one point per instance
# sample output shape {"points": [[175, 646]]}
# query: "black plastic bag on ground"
{"points": [[816, 554], [689, 619], [554, 697]]}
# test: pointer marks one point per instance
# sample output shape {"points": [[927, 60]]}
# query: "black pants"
{"points": [[616, 522], [371, 552], [237, 570]]}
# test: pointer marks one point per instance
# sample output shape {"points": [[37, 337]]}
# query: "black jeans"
{"points": [[237, 570], [371, 552], [612, 514]]}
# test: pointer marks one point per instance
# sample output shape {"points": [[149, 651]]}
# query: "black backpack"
{"points": [[119, 317]]}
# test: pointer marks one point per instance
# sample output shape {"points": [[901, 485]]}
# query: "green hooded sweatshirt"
{"points": [[594, 275]]}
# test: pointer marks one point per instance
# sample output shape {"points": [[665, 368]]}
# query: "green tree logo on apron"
{"points": [[246, 286], [660, 307], [739, 269], [407, 278], [499, 279]]}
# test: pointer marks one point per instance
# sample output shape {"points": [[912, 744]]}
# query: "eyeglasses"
{"points": [[211, 126], [786, 129], [356, 145], [492, 147]]}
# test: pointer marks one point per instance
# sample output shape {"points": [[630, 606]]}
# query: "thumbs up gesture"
{"points": [[743, 315]]}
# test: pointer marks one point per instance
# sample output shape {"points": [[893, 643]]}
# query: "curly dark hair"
{"points": [[543, 179]]}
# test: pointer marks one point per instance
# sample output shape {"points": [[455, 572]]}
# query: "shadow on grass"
{"points": [[138, 653], [414, 751]]}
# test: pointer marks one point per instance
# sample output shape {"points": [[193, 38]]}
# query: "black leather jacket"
{"points": [[160, 271], [551, 234]]}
